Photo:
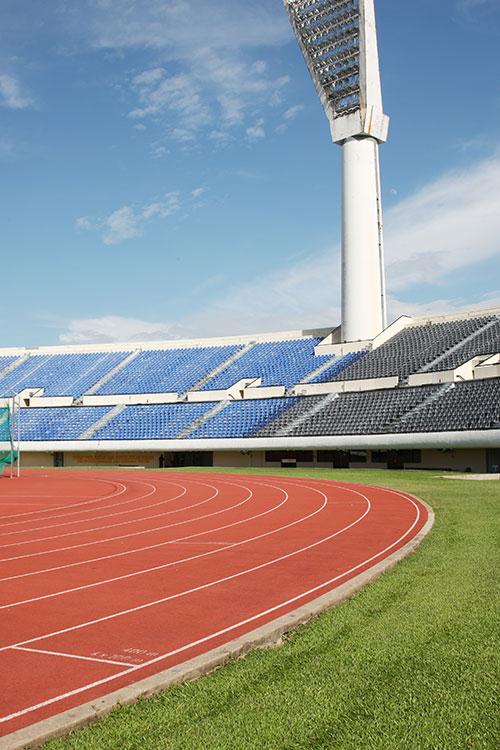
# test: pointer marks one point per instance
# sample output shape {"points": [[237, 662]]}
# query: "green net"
{"points": [[7, 453]]}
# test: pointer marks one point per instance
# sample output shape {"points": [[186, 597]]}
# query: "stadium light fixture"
{"points": [[338, 39]]}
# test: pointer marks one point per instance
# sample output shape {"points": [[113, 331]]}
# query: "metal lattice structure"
{"points": [[338, 41], [329, 36]]}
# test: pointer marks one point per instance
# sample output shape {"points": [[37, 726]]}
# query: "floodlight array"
{"points": [[329, 34]]}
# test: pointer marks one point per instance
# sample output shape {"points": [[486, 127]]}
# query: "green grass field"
{"points": [[408, 663]]}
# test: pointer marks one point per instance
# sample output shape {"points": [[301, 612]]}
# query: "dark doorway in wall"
{"points": [[338, 459], [192, 458], [290, 459], [493, 460], [58, 459]]}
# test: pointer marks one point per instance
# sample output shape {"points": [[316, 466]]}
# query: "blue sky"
{"points": [[166, 169]]}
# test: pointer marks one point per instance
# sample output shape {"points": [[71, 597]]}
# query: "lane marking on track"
{"points": [[196, 588], [4, 502], [72, 505], [72, 656], [138, 549], [173, 562], [126, 536], [75, 533], [223, 631], [165, 501], [91, 510]]}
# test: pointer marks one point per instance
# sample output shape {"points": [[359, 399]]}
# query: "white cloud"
{"points": [[83, 223], [11, 95], [205, 76], [479, 15], [183, 26], [444, 227], [128, 222], [292, 112], [115, 328], [123, 224], [449, 225], [256, 131]]}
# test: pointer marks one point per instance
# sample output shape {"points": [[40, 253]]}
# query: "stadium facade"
{"points": [[423, 394]]}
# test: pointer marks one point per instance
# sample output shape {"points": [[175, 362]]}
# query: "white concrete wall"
{"points": [[130, 399], [487, 371], [345, 386], [449, 459], [465, 439]]}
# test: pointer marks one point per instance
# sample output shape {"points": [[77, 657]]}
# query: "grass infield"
{"points": [[408, 663]]}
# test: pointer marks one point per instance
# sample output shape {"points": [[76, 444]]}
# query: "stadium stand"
{"points": [[484, 341], [292, 392], [242, 418], [170, 370], [414, 348], [463, 406], [153, 422], [58, 375], [276, 362], [62, 423]]}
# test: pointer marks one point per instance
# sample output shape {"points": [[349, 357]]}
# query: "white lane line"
{"points": [[100, 528], [140, 508], [75, 533], [6, 502], [73, 656], [198, 588], [87, 561], [126, 536], [166, 565], [179, 540], [88, 510], [223, 631], [73, 505]]}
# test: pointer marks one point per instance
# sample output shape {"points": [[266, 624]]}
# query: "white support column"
{"points": [[338, 39], [363, 304]]}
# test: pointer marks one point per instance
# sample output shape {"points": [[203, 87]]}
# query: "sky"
{"points": [[167, 172]]}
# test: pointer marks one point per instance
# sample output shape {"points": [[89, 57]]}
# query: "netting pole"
{"points": [[19, 437], [11, 440], [12, 423]]}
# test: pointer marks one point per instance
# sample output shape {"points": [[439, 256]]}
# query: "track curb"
{"points": [[34, 736]]}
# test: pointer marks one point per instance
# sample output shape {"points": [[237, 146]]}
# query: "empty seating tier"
{"points": [[242, 418], [61, 423], [473, 405], [276, 362], [412, 349], [167, 370], [485, 341], [60, 374], [154, 422], [358, 413]]}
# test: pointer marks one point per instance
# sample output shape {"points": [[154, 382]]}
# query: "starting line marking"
{"points": [[72, 656]]}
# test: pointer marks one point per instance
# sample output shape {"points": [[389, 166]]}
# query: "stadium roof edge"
{"points": [[170, 343], [476, 312]]}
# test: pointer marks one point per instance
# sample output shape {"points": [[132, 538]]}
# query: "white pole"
{"points": [[19, 436], [363, 304], [11, 439]]}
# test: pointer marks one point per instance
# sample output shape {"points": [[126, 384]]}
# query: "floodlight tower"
{"points": [[338, 39]]}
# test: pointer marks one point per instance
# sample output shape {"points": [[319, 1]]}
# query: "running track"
{"points": [[107, 577]]}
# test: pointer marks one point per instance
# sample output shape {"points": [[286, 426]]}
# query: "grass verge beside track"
{"points": [[408, 663]]}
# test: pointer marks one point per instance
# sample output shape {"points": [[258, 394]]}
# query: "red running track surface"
{"points": [[107, 577]]}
